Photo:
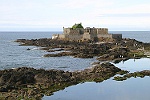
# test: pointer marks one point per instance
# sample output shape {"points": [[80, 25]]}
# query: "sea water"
{"points": [[130, 89], [12, 56]]}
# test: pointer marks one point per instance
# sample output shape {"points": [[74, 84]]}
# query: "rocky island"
{"points": [[89, 42], [33, 84]]}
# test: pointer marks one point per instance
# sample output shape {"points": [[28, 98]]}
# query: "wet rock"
{"points": [[28, 49], [84, 56], [78, 49], [104, 57], [119, 78], [34, 83], [3, 89], [122, 72], [95, 63], [104, 51], [135, 74], [54, 50], [10, 98], [124, 48], [59, 54]]}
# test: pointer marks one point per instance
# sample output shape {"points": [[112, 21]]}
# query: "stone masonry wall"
{"points": [[85, 34]]}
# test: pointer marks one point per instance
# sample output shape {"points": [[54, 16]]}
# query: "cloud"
{"points": [[47, 13], [134, 16], [74, 4], [126, 15], [142, 9]]}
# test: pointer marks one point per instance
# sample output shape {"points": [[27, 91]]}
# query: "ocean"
{"points": [[12, 56], [143, 36]]}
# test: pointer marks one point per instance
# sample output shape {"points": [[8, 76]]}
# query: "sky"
{"points": [[53, 15]]}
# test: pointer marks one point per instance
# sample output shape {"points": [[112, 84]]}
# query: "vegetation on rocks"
{"points": [[33, 84], [29, 83], [107, 51], [141, 74], [75, 26]]}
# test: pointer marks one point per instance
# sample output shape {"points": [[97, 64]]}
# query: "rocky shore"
{"points": [[104, 51], [140, 74], [32, 84]]}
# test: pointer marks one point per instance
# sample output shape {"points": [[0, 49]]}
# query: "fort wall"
{"points": [[117, 36], [102, 30], [73, 31], [86, 36], [104, 35], [58, 36], [73, 37], [88, 33]]}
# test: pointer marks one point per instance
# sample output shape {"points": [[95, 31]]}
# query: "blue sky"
{"points": [[52, 15]]}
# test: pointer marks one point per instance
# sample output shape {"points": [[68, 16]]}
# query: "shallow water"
{"points": [[130, 89], [12, 55], [134, 65]]}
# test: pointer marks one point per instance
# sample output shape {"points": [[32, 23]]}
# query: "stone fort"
{"points": [[78, 33]]}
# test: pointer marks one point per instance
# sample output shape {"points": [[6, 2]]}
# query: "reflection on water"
{"points": [[13, 55], [131, 89], [134, 65]]}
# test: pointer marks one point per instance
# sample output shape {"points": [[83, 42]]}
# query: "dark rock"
{"points": [[124, 48], [3, 89], [28, 82], [122, 72], [135, 74], [119, 78], [28, 49], [59, 54], [95, 63]]}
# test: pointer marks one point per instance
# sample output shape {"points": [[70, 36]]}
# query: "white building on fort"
{"points": [[78, 33]]}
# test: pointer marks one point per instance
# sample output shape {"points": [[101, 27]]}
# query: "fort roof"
{"points": [[77, 33]]}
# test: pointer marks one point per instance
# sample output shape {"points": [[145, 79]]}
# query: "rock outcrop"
{"points": [[112, 51], [140, 74], [30, 83]]}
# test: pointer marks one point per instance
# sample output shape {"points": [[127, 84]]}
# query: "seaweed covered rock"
{"points": [[34, 83], [11, 79], [123, 49], [141, 74]]}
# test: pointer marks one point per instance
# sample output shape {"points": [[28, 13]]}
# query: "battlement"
{"points": [[77, 32], [71, 31]]}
